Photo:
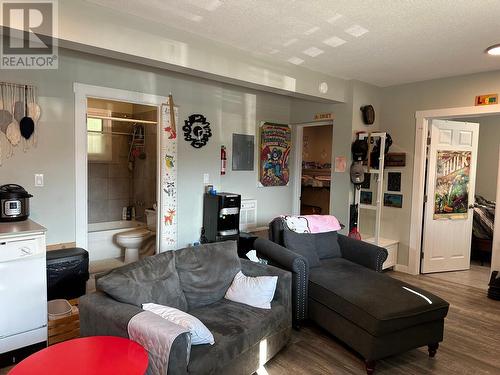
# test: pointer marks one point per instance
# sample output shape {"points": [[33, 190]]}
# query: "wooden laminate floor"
{"points": [[471, 344], [477, 276]]}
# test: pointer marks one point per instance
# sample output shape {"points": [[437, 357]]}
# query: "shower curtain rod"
{"points": [[122, 119], [15, 84], [108, 133]]}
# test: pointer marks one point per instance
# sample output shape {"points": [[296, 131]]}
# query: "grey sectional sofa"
{"points": [[337, 283], [204, 274]]}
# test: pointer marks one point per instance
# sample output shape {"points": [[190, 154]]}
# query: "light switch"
{"points": [[39, 180], [206, 178]]}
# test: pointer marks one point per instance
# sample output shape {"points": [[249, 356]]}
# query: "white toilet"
{"points": [[132, 240]]}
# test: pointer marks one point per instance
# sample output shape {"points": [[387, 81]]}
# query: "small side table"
{"points": [[245, 243], [97, 355]]}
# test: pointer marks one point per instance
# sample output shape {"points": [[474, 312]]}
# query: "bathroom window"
{"points": [[99, 143]]}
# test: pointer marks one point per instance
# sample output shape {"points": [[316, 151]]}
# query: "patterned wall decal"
{"points": [[168, 173], [197, 130]]}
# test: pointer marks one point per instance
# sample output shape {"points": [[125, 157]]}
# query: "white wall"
{"points": [[228, 108], [399, 104]]}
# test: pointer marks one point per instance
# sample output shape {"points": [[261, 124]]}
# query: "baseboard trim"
{"points": [[401, 268]]}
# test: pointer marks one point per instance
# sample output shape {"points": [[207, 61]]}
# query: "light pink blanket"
{"points": [[312, 223]]}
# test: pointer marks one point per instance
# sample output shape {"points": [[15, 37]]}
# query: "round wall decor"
{"points": [[197, 130]]}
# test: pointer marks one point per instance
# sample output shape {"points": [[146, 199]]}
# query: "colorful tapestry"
{"points": [[275, 144], [451, 197], [168, 173]]}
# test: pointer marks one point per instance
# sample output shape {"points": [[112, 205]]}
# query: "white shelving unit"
{"points": [[389, 244]]}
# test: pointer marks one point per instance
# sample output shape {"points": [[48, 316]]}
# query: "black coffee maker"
{"points": [[221, 217]]}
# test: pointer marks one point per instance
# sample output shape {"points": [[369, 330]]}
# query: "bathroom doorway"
{"points": [[122, 179], [116, 111]]}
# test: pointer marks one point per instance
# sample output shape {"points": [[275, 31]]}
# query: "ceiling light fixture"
{"points": [[295, 60], [493, 50], [334, 41], [313, 51]]}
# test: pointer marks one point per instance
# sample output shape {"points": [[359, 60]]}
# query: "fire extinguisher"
{"points": [[223, 159]]}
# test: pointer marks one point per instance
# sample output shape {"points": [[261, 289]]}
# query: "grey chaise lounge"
{"points": [[342, 289], [205, 273]]}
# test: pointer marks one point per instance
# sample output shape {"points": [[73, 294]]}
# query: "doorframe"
{"points": [[298, 144], [82, 93], [495, 251], [423, 119]]}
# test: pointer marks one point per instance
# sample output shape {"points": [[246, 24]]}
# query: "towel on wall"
{"points": [[157, 336]]}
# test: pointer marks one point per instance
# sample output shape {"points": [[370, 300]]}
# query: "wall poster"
{"points": [[275, 145], [451, 197], [168, 173]]}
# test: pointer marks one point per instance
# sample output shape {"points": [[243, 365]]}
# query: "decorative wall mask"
{"points": [[197, 130]]}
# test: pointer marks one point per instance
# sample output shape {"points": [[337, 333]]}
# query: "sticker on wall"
{"points": [[275, 145], [168, 173], [197, 130], [169, 161]]}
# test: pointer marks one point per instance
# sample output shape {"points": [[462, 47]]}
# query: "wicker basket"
{"points": [[66, 327]]}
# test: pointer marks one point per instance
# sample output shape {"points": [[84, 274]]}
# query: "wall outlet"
{"points": [[39, 180], [206, 178]]}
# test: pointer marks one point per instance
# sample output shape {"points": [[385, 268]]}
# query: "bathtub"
{"points": [[100, 240]]}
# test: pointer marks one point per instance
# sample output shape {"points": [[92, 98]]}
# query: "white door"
{"points": [[451, 176]]}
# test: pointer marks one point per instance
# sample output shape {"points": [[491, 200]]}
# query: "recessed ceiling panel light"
{"points": [[295, 60], [493, 50], [312, 30], [334, 41], [335, 18], [356, 31], [290, 42], [313, 51]]}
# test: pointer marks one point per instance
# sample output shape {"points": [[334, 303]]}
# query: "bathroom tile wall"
{"points": [[110, 183]]}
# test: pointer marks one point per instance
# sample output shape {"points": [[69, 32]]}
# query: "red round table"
{"points": [[87, 356]]}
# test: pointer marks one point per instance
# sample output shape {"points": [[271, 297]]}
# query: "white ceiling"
{"points": [[383, 42]]}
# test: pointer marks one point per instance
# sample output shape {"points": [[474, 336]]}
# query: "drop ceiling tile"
{"points": [[334, 41]]}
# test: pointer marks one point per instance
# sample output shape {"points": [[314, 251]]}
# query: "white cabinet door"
{"points": [[23, 288], [451, 176]]}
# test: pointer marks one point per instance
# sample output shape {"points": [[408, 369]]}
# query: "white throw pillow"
{"points": [[254, 291], [200, 334]]}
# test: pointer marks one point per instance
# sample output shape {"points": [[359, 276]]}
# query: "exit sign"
{"points": [[323, 116], [487, 99]]}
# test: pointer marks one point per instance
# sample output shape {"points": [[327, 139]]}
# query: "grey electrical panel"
{"points": [[243, 152]]}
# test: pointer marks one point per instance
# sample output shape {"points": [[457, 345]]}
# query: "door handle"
{"points": [[26, 251]]}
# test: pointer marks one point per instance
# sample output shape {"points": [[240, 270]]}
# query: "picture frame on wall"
{"points": [[393, 200], [395, 159], [366, 182], [274, 153], [394, 181], [366, 197]]}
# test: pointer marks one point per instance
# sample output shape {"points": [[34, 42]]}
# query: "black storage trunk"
{"points": [[67, 273]]}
